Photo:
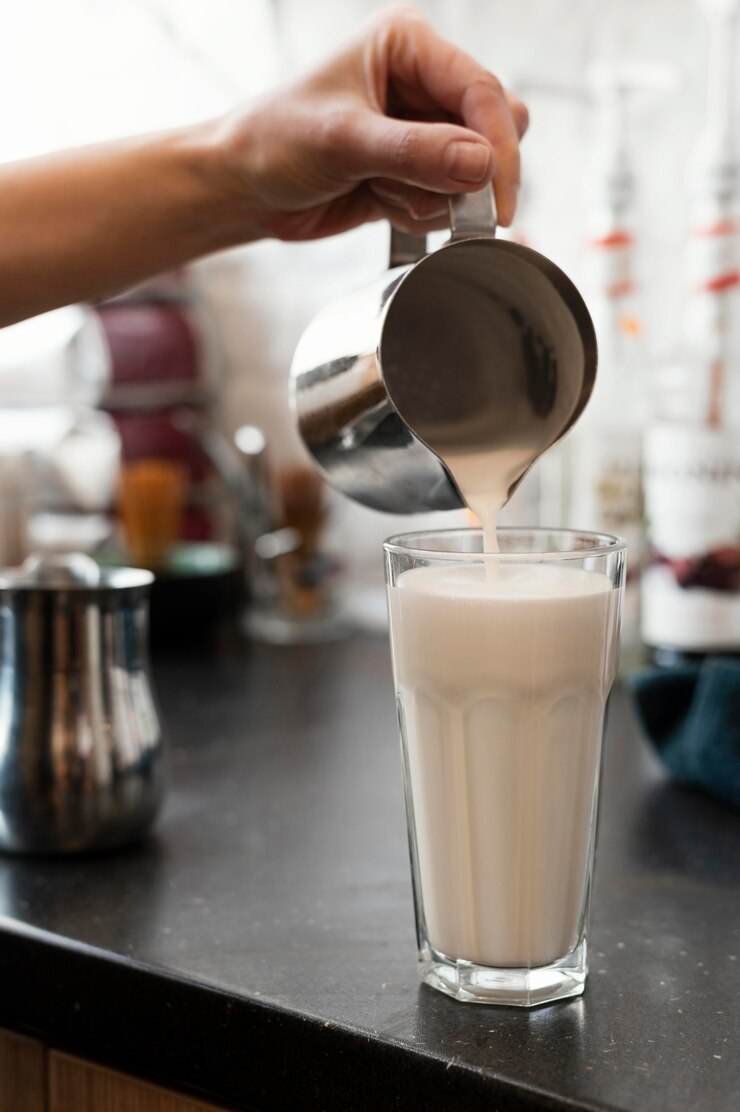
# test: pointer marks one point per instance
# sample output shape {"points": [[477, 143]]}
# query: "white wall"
{"points": [[79, 70]]}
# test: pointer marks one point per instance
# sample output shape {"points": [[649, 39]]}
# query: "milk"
{"points": [[483, 480], [486, 481], [502, 685]]}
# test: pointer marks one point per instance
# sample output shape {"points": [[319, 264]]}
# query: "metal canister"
{"points": [[82, 763]]}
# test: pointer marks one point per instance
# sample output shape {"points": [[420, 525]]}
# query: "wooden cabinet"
{"points": [[77, 1086], [36, 1079], [22, 1074]]}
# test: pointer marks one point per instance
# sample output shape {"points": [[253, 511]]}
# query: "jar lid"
{"points": [[72, 571]]}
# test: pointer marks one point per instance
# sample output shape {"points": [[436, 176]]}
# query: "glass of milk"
{"points": [[502, 664]]}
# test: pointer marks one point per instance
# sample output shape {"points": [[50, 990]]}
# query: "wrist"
{"points": [[223, 211]]}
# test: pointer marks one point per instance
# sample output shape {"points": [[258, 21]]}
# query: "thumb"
{"points": [[434, 156]]}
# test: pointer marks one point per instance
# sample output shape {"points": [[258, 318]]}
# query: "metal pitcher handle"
{"points": [[471, 214], [406, 249]]}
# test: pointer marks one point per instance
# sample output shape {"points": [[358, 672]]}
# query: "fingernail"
{"points": [[467, 161]]}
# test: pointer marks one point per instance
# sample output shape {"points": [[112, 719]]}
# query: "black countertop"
{"points": [[260, 950]]}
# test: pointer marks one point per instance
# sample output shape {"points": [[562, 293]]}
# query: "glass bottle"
{"points": [[605, 447], [691, 589]]}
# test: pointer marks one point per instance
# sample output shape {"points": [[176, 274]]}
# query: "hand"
{"points": [[387, 129], [371, 136]]}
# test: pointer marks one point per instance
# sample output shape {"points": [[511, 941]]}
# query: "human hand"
{"points": [[370, 135], [386, 129]]}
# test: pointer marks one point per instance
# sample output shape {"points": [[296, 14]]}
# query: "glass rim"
{"points": [[411, 544]]}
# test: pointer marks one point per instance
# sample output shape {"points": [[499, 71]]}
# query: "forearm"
{"points": [[337, 148], [88, 223]]}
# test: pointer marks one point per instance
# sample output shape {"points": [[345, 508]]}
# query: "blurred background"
{"points": [[618, 152], [138, 65]]}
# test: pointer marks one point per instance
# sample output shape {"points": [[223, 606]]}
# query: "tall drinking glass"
{"points": [[502, 665]]}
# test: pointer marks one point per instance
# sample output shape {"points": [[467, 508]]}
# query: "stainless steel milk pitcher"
{"points": [[81, 751], [483, 345]]}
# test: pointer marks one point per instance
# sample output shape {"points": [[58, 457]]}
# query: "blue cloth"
{"points": [[691, 714]]}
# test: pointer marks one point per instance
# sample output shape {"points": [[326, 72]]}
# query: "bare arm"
{"points": [[87, 223], [365, 137]]}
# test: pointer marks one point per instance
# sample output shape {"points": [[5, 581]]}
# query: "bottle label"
{"points": [[712, 257], [691, 588], [710, 322], [607, 480], [607, 496], [611, 259]]}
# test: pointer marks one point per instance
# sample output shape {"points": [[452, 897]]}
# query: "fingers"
{"points": [[439, 157], [485, 108], [417, 203], [403, 220], [519, 113], [423, 70]]}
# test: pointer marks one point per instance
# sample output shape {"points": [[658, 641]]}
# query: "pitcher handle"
{"points": [[406, 249], [473, 214]]}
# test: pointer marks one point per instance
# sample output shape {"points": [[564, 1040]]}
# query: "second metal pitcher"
{"points": [[81, 749]]}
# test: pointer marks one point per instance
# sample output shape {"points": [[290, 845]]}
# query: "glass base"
{"points": [[520, 988]]}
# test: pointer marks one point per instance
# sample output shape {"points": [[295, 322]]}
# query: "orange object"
{"points": [[151, 504], [302, 499], [301, 494], [630, 325]]}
